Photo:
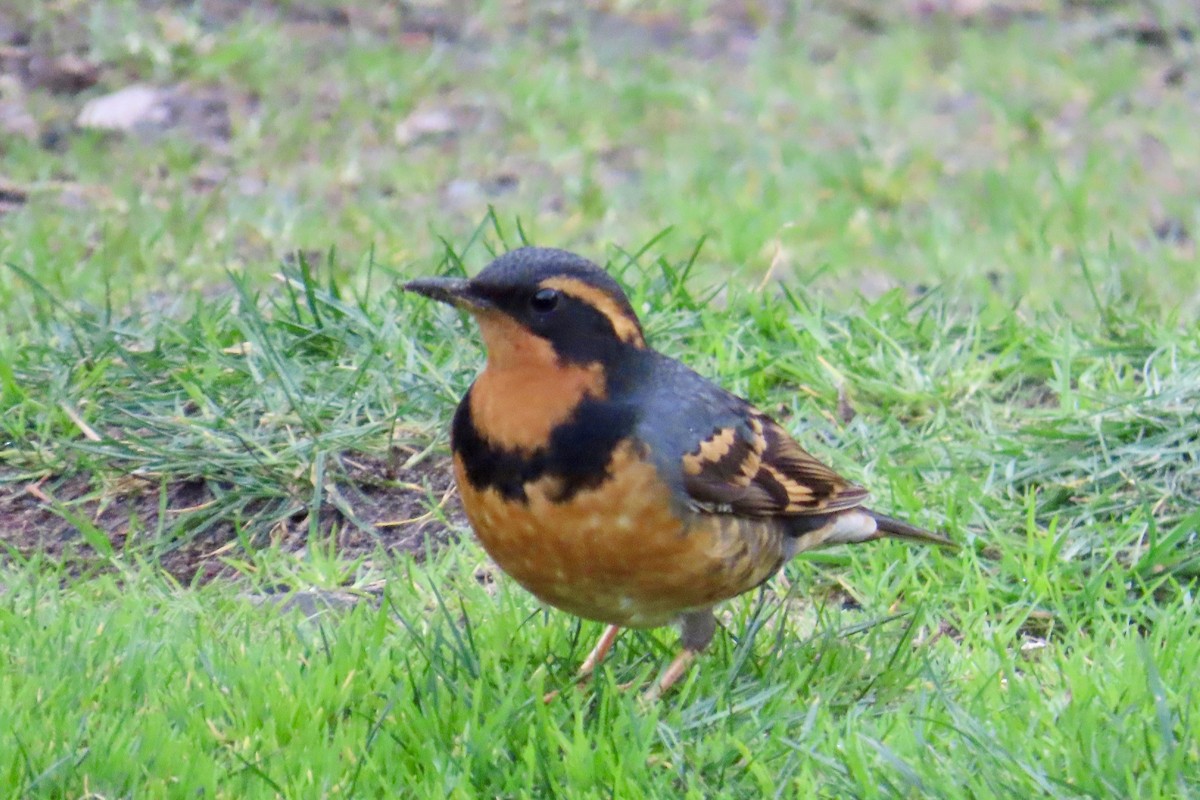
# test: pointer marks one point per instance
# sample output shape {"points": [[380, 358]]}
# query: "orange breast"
{"points": [[619, 553]]}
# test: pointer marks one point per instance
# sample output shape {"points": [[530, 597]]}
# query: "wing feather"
{"points": [[756, 468]]}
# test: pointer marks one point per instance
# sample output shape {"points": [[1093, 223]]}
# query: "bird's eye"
{"points": [[544, 300]]}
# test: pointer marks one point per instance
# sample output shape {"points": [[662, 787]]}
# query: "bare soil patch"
{"points": [[401, 510]]}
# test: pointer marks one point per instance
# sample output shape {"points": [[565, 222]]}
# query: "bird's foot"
{"points": [[603, 645], [676, 670]]}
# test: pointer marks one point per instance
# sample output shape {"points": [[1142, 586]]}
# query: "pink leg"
{"points": [[603, 645], [697, 632], [677, 669], [598, 653]]}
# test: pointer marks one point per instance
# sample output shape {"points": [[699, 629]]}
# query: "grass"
{"points": [[953, 258]]}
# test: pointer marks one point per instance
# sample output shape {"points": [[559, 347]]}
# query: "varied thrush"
{"points": [[614, 482]]}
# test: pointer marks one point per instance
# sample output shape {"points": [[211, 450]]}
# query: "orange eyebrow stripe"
{"points": [[627, 328]]}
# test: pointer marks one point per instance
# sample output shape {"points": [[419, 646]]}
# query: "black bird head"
{"points": [[537, 304]]}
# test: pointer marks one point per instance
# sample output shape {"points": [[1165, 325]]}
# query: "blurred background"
{"points": [[1045, 150]]}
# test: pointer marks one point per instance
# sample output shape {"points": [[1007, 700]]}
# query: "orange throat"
{"points": [[526, 391]]}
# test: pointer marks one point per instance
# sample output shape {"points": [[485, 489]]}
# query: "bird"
{"points": [[614, 482]]}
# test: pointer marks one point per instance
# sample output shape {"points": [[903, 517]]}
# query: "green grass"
{"points": [[133, 685], [207, 369]]}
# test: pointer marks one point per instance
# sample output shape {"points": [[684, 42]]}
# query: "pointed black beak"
{"points": [[455, 291]]}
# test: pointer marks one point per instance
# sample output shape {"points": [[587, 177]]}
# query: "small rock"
{"points": [[425, 124], [125, 110], [433, 122]]}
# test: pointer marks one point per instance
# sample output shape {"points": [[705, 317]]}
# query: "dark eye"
{"points": [[544, 300]]}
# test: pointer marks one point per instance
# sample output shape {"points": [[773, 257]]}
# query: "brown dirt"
{"points": [[383, 508]]}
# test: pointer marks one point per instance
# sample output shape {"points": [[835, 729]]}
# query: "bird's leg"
{"points": [[698, 628], [603, 645], [674, 671]]}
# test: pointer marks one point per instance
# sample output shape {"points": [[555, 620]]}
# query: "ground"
{"points": [[950, 245]]}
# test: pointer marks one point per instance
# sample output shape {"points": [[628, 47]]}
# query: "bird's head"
{"points": [[543, 305]]}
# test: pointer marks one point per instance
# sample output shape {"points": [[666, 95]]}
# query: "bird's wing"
{"points": [[724, 455], [754, 467]]}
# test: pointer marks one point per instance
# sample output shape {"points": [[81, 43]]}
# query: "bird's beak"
{"points": [[455, 291]]}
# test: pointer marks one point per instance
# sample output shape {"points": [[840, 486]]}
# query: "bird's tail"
{"points": [[890, 526]]}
